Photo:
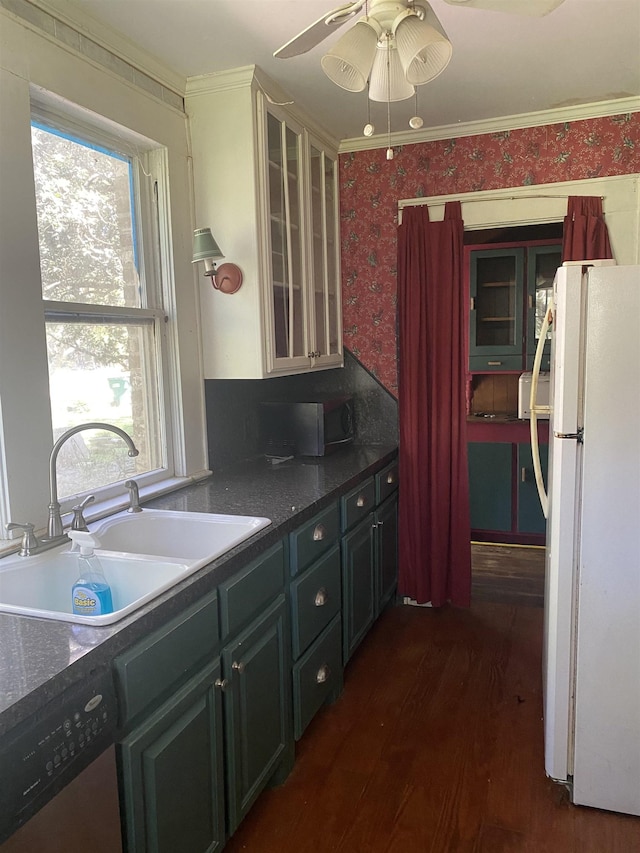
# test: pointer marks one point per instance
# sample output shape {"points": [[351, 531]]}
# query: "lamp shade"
{"points": [[349, 61], [422, 45], [388, 82], [204, 246]]}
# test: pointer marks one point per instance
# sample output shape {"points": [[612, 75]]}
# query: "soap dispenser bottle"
{"points": [[91, 594]]}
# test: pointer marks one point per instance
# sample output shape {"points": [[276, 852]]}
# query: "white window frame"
{"points": [[150, 168], [150, 182]]}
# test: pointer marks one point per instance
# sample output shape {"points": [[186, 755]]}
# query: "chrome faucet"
{"points": [[134, 496], [55, 530]]}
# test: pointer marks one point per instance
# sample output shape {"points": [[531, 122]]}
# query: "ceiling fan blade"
{"points": [[319, 30], [536, 8]]}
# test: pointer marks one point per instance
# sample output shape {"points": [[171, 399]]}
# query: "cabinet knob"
{"points": [[390, 478], [238, 666], [323, 674], [361, 501], [221, 684], [319, 532], [322, 596]]}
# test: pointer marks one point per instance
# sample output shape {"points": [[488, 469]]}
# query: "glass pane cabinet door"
{"points": [[325, 290], [496, 290], [318, 253], [284, 154], [331, 228], [542, 263]]}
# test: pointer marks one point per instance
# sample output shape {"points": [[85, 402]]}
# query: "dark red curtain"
{"points": [[585, 235], [434, 529]]}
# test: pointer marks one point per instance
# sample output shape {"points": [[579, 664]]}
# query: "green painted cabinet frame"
{"points": [[358, 584], [386, 551], [257, 707], [171, 766]]}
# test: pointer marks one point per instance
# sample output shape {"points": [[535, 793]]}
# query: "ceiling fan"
{"points": [[386, 11]]}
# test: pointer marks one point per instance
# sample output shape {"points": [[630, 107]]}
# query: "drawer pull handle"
{"points": [[322, 596], [390, 478], [319, 532], [221, 684], [238, 666], [323, 674], [361, 501], [494, 363]]}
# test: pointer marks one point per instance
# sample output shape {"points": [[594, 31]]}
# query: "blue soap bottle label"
{"points": [[91, 598]]}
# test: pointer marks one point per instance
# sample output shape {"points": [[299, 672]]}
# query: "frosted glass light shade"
{"points": [[349, 61], [423, 47], [388, 82], [204, 246]]}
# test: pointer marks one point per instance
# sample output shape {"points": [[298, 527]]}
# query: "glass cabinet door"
{"points": [[324, 285], [542, 263], [285, 203], [496, 311]]}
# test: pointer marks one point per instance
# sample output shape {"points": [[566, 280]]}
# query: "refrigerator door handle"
{"points": [[539, 410]]}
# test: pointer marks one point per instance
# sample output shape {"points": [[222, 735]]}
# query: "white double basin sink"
{"points": [[143, 554]]}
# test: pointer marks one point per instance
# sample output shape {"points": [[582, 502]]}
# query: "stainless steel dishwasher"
{"points": [[58, 781]]}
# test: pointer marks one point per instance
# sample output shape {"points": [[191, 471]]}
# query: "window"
{"points": [[97, 232]]}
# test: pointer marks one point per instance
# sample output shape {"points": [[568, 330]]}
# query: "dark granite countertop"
{"points": [[40, 658]]}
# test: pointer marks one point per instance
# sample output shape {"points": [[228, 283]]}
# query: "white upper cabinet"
{"points": [[267, 186]]}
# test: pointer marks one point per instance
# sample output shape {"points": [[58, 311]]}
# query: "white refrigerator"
{"points": [[591, 668]]}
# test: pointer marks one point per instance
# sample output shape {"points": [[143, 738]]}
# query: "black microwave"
{"points": [[306, 428]]}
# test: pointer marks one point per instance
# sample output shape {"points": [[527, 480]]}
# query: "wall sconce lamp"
{"points": [[227, 278]]}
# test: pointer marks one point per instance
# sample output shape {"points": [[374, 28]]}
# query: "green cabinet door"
{"points": [[171, 767], [490, 485], [530, 517], [496, 286], [386, 520], [257, 705], [358, 584]]}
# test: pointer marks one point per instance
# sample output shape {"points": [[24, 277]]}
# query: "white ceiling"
{"points": [[585, 51]]}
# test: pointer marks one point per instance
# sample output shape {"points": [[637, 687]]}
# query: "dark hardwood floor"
{"points": [[511, 574], [436, 743]]}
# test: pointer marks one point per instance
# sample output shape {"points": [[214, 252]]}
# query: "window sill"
{"points": [[110, 506]]}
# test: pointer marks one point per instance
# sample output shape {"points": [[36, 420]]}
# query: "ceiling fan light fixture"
{"points": [[423, 47], [388, 81], [349, 61]]}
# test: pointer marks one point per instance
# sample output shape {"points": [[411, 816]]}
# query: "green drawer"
{"points": [[156, 665], [386, 481], [317, 676], [315, 600], [486, 363], [358, 503], [314, 538], [247, 592]]}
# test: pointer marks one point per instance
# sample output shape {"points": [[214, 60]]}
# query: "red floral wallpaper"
{"points": [[370, 187]]}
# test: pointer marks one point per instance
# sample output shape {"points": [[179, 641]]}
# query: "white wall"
{"points": [[31, 61]]}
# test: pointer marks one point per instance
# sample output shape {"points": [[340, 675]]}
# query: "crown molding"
{"points": [[496, 125], [252, 76], [75, 17]]}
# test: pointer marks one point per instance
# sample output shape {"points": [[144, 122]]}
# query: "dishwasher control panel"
{"points": [[42, 754]]}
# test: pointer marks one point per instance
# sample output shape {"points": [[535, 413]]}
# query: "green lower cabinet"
{"points": [[358, 584], [317, 676], [386, 521], [530, 517], [257, 706], [490, 485], [171, 766]]}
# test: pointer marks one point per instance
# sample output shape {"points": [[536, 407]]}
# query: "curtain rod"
{"points": [[419, 202]]}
